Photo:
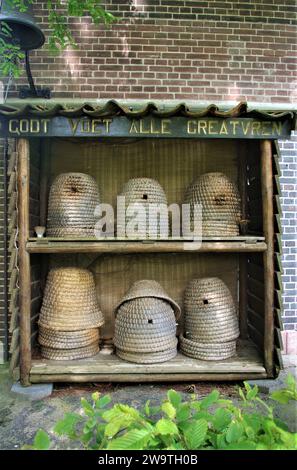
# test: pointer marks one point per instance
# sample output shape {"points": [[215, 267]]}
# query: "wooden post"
{"points": [[43, 199], [242, 184], [23, 184], [268, 229]]}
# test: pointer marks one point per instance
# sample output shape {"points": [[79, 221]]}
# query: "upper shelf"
{"points": [[116, 245]]}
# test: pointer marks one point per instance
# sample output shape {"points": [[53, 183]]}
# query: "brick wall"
{"points": [[289, 223], [182, 49], [178, 49]]}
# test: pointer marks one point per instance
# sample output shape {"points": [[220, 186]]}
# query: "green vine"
{"points": [[60, 37]]}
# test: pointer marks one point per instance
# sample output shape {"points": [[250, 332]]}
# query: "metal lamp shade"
{"points": [[25, 31]]}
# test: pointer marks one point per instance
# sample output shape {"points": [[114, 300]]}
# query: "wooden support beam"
{"points": [[267, 204], [139, 247], [23, 179]]}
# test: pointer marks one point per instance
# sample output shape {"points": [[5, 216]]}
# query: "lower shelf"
{"points": [[247, 364]]}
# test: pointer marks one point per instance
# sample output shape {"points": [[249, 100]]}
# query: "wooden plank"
{"points": [[277, 224], [140, 247], [256, 336], [277, 205], [144, 378], [256, 320], [246, 361], [14, 360], [278, 338], [278, 247], [12, 203], [278, 318], [256, 288], [14, 340], [13, 302], [12, 260], [11, 163], [278, 299], [278, 358], [278, 263], [12, 183], [12, 222], [268, 229], [255, 303], [243, 296], [12, 240], [276, 186], [278, 280], [255, 272], [14, 319], [240, 238], [24, 261], [13, 280]]}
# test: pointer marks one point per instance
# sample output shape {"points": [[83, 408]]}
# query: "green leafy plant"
{"points": [[210, 423], [58, 15]]}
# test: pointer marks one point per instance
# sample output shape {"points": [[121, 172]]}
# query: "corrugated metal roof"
{"points": [[135, 109]]}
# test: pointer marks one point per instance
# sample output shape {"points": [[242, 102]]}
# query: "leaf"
{"points": [[87, 407], [67, 425], [183, 412], [234, 432], [103, 401], [210, 399], [135, 439], [147, 408], [282, 396], [114, 426], [243, 445], [221, 419], [166, 427], [95, 396], [41, 440], [168, 409], [174, 398], [251, 394], [196, 434]]}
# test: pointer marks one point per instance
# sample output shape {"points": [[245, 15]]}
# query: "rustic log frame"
{"points": [[268, 230], [23, 179]]}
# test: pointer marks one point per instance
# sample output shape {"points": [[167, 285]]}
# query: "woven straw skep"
{"points": [[149, 288], [70, 354], [145, 324], [210, 320], [220, 202], [70, 302], [72, 201], [146, 192], [67, 339]]}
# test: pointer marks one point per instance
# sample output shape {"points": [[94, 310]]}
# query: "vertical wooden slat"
{"points": [[267, 202], [242, 184], [23, 180]]}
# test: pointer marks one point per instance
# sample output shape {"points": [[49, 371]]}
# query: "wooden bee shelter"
{"points": [[172, 144]]}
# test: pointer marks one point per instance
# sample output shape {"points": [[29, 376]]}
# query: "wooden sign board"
{"points": [[150, 127]]}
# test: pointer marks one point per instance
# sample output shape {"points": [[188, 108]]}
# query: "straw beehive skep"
{"points": [[70, 302]]}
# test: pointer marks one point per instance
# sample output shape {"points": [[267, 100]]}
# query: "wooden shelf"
{"points": [[112, 245], [246, 364]]}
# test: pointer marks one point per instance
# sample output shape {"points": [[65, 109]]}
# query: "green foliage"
{"points": [[210, 423], [59, 15]]}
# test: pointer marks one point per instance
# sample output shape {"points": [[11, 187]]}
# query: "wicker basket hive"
{"points": [[70, 316], [147, 192], [145, 324], [211, 322], [220, 202], [72, 201]]}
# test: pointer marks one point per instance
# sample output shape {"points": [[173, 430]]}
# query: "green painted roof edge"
{"points": [[136, 108]]}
